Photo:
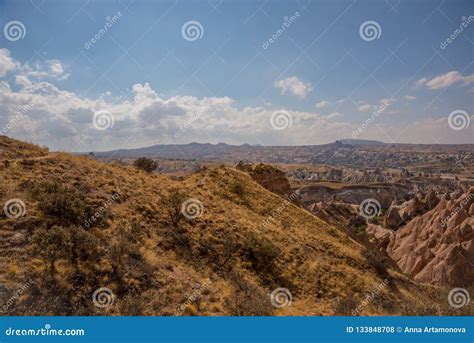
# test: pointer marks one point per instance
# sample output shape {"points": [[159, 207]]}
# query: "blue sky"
{"points": [[158, 87]]}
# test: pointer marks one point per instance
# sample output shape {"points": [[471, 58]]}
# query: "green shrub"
{"points": [[260, 252], [146, 164], [172, 202], [237, 187], [52, 245], [65, 204]]}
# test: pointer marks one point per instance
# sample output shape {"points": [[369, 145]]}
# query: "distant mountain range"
{"points": [[245, 152], [360, 142], [349, 152]]}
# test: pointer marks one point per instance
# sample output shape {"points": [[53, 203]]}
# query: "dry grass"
{"points": [[226, 261]]}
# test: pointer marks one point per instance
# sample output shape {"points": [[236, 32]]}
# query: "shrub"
{"points": [[378, 262], [83, 245], [260, 252], [131, 304], [345, 306], [66, 204], [52, 245], [248, 300], [146, 164], [172, 202], [237, 187]]}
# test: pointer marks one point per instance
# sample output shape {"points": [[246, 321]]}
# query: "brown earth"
{"points": [[88, 225]]}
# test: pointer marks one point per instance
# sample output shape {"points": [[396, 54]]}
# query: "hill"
{"points": [[80, 237], [349, 153], [360, 142]]}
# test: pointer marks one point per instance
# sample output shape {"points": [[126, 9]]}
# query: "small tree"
{"points": [[52, 245], [146, 164], [238, 187], [173, 202], [83, 245]]}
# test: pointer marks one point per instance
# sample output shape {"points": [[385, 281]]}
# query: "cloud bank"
{"points": [[33, 107]]}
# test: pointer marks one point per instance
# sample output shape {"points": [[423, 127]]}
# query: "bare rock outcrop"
{"points": [[269, 177], [393, 219], [381, 235], [438, 246], [337, 213]]}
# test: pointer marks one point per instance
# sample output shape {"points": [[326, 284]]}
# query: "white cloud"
{"points": [[56, 69], [323, 104], [22, 81], [333, 115], [44, 70], [421, 82], [293, 85], [364, 108], [387, 101], [410, 97], [6, 62], [445, 80], [62, 120]]}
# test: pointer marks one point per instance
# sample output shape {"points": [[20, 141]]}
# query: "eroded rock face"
{"points": [[269, 177], [337, 213], [393, 219], [437, 247]]}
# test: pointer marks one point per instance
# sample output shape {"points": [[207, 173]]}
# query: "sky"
{"points": [[103, 75]]}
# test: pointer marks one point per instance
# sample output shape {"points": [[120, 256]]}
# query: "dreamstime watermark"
{"points": [[98, 214], [109, 22], [14, 30], [281, 120], [458, 120], [458, 297], [370, 30], [464, 24], [192, 209], [192, 30], [369, 297], [281, 297], [183, 128], [103, 120], [280, 209], [287, 21], [377, 111], [22, 290], [20, 112], [457, 209], [369, 208], [46, 331], [192, 298], [14, 208], [103, 297]]}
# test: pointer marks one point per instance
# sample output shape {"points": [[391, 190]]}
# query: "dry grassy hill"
{"points": [[88, 225]]}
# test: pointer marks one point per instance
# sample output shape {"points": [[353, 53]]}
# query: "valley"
{"points": [[219, 237]]}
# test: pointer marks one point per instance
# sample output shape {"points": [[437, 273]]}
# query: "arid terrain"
{"points": [[339, 229]]}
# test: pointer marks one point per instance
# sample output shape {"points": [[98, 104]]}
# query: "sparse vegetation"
{"points": [[66, 205], [152, 259], [146, 164], [260, 252], [248, 300], [172, 202], [52, 245], [237, 187]]}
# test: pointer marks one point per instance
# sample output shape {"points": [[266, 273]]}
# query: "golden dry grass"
{"points": [[225, 262]]}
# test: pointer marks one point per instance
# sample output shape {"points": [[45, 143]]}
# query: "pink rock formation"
{"points": [[438, 246]]}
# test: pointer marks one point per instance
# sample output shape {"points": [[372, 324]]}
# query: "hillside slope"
{"points": [[78, 228]]}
